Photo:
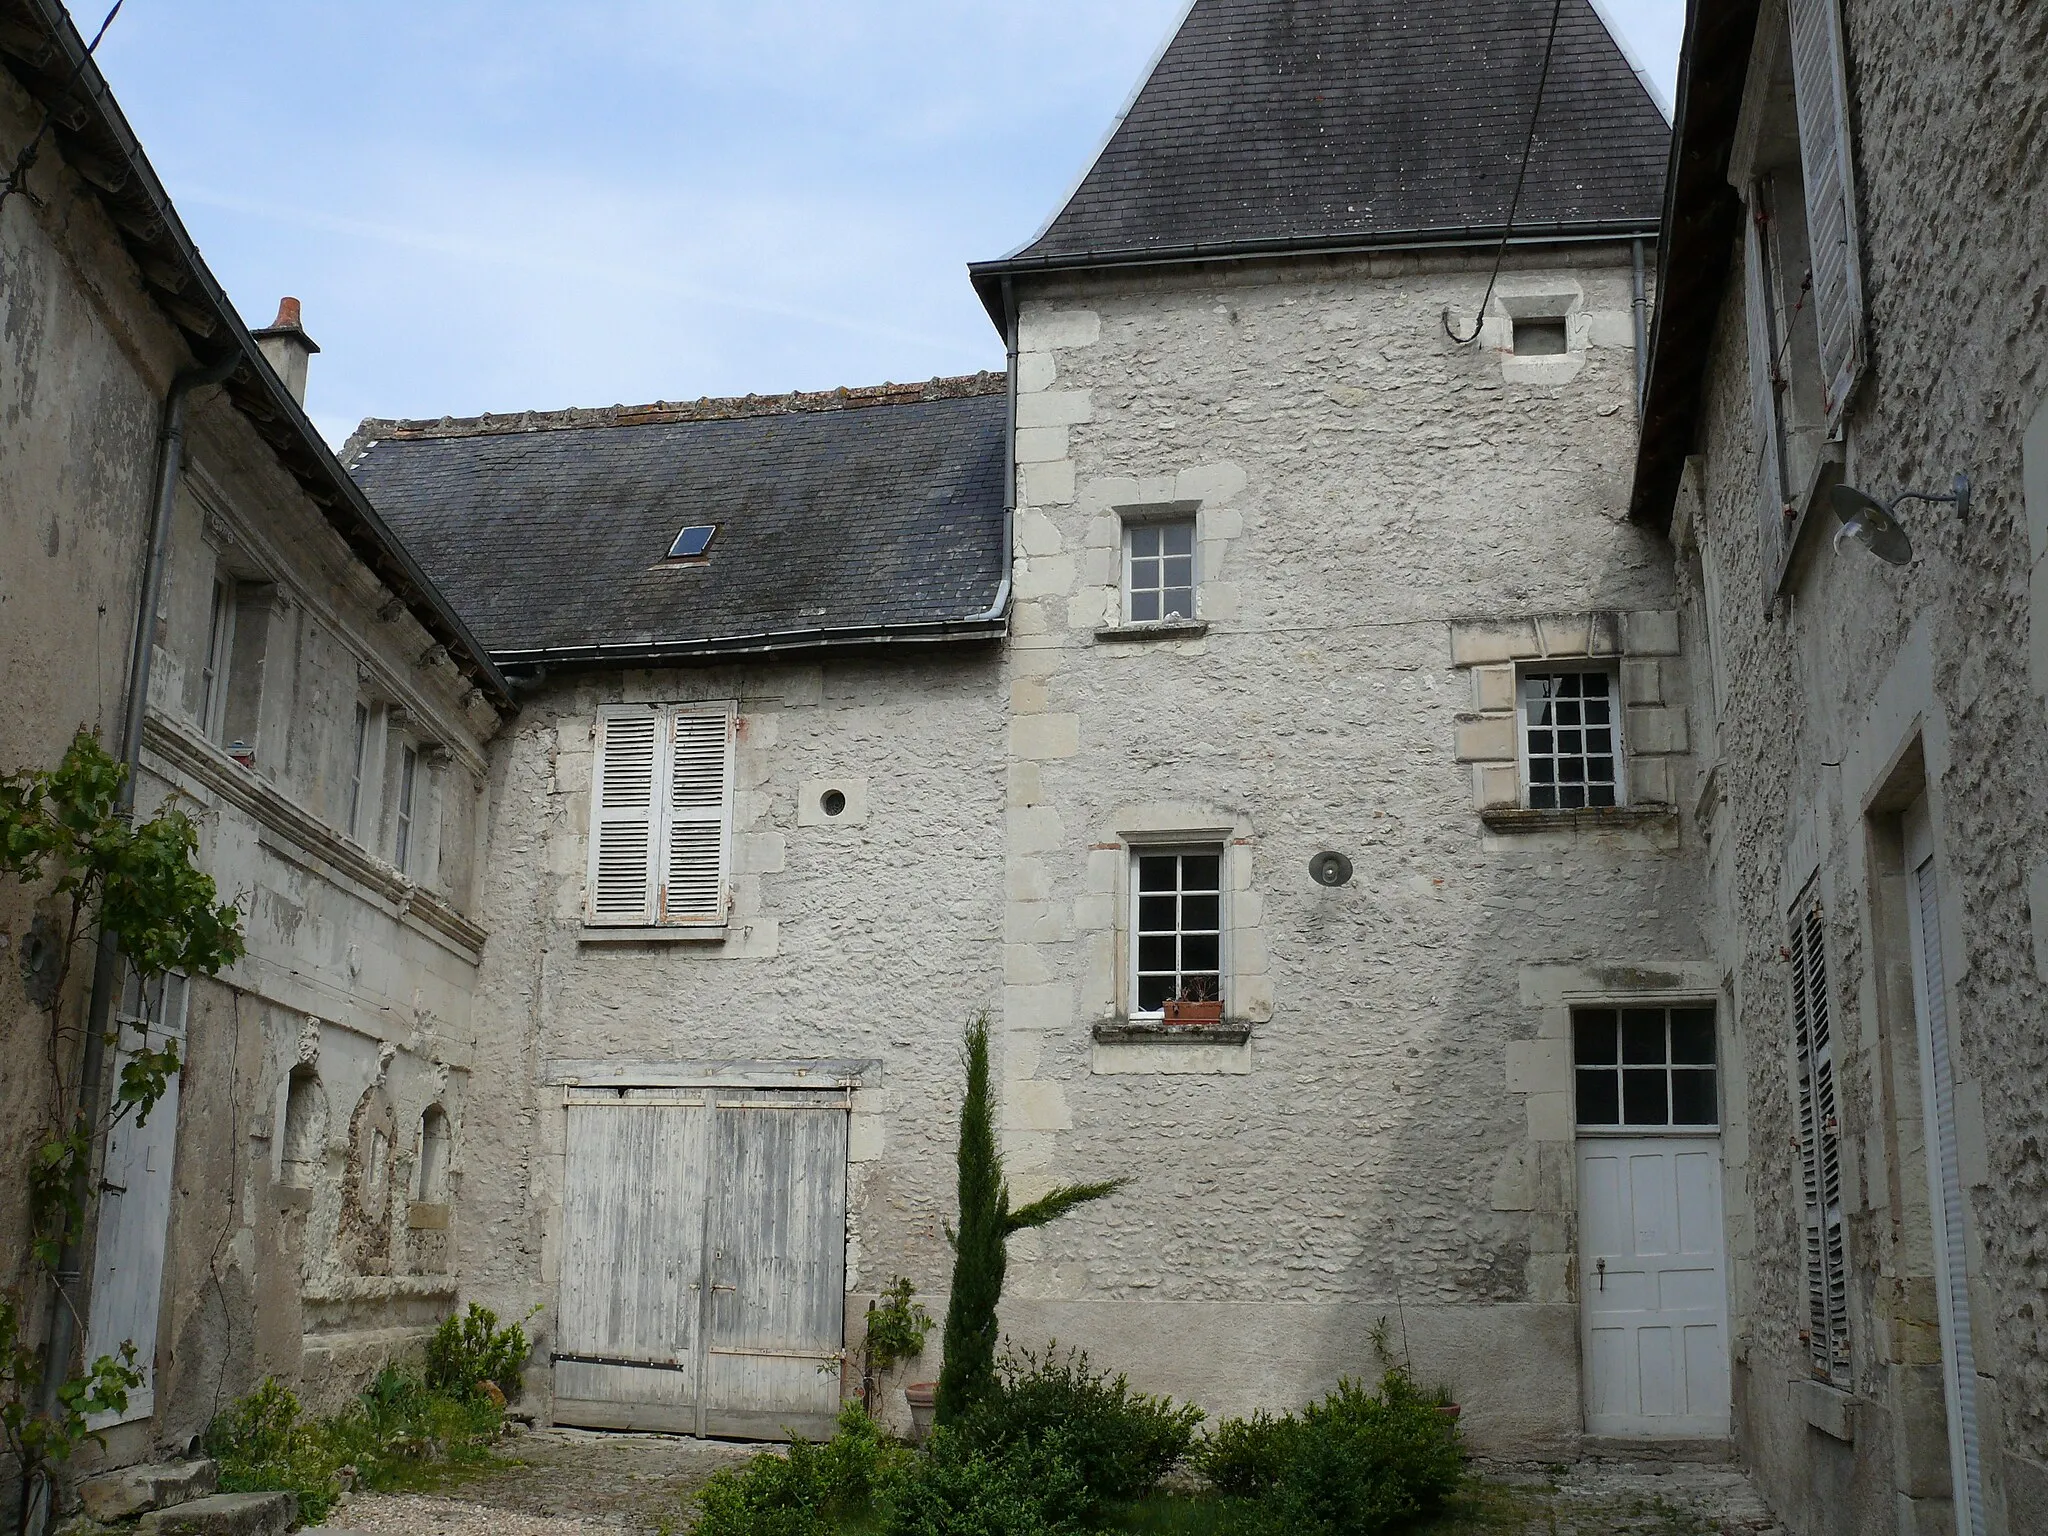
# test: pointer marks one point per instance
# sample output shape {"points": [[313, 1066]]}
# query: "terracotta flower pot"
{"points": [[1449, 1411], [1178, 1012], [923, 1397]]}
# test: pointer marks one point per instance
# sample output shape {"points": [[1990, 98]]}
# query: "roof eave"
{"points": [[1702, 221], [641, 653], [987, 275], [102, 149]]}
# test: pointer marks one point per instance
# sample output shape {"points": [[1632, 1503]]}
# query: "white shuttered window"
{"points": [[1820, 1174], [1820, 83], [661, 815]]}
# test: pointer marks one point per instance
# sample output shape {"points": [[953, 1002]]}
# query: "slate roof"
{"points": [[839, 515], [1298, 123]]}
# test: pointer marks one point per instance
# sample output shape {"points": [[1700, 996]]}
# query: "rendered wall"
{"points": [[1869, 686], [872, 937], [354, 970], [1384, 518]]}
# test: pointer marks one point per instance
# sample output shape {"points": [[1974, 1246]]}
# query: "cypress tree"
{"points": [[986, 1221]]}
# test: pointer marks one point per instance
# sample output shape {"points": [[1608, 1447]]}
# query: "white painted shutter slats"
{"points": [[1820, 83], [1763, 392], [624, 827], [1945, 1153], [1826, 1251], [699, 817]]}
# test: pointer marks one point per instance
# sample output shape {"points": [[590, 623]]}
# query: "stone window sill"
{"points": [[1154, 1032], [1828, 1409], [705, 934], [1171, 629], [1520, 818]]}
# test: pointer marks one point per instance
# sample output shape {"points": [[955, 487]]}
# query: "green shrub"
{"points": [[806, 1493], [896, 1327], [1355, 1464], [262, 1445], [472, 1348], [1122, 1443], [1245, 1457], [957, 1488], [394, 1435]]}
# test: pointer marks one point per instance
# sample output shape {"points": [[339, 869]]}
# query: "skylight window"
{"points": [[692, 542]]}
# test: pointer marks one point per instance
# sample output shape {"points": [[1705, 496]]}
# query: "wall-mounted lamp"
{"points": [[1875, 524]]}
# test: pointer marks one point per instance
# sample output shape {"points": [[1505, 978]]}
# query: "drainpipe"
{"points": [[106, 970], [1642, 334], [996, 609]]}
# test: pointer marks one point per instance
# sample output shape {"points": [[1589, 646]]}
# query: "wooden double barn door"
{"points": [[703, 1279]]}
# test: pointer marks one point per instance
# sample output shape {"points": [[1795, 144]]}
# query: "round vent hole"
{"points": [[833, 802]]}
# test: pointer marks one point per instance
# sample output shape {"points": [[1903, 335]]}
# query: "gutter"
{"points": [[1642, 333], [99, 147], [768, 642], [998, 608], [985, 275]]}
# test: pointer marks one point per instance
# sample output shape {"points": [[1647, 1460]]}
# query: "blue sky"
{"points": [[510, 205]]}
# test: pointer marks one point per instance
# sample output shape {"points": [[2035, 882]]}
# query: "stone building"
{"points": [[1851, 284], [1315, 491], [317, 708]]}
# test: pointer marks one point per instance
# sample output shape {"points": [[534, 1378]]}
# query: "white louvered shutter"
{"points": [[1826, 1251], [624, 826], [698, 852], [1763, 391], [1821, 85]]}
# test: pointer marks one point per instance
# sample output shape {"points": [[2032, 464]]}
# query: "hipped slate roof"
{"points": [[1290, 124], [847, 517]]}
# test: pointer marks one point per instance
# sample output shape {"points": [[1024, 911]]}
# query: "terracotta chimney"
{"points": [[286, 346]]}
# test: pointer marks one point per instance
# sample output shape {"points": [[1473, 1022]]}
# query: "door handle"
{"points": [[1601, 1269]]}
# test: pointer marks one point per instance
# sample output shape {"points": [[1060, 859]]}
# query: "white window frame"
{"points": [[406, 805], [1666, 1005], [1160, 520], [220, 650], [663, 817], [1615, 711], [359, 768], [1182, 847]]}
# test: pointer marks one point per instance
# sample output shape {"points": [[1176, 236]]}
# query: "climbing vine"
{"points": [[67, 828]]}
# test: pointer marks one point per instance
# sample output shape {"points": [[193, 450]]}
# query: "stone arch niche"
{"points": [[436, 1153], [366, 1187], [305, 1129]]}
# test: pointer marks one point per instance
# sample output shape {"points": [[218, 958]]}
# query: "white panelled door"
{"points": [[135, 1201], [1944, 1170], [1653, 1299], [703, 1270]]}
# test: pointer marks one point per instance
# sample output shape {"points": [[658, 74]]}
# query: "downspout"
{"points": [[1000, 606], [1642, 334], [107, 957]]}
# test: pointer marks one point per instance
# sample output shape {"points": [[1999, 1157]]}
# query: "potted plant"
{"points": [[1198, 1003]]}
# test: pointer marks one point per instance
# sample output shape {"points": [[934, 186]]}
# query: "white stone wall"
{"points": [[1395, 1138], [871, 936], [1870, 686]]}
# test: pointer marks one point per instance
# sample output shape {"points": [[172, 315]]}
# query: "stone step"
{"points": [[1702, 1450], [153, 1485], [225, 1514]]}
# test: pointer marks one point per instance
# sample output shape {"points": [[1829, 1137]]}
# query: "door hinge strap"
{"points": [[637, 1365]]}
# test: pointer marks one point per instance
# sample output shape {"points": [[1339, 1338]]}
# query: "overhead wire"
{"points": [[1521, 176], [26, 160]]}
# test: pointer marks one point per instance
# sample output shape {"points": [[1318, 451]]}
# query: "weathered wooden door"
{"points": [[1653, 1302], [135, 1200], [703, 1266], [777, 1264], [626, 1324]]}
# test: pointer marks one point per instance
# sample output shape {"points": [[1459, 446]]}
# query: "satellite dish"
{"points": [[1869, 522], [1329, 869]]}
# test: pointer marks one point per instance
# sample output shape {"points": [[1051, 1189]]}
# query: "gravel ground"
{"points": [[565, 1482]]}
